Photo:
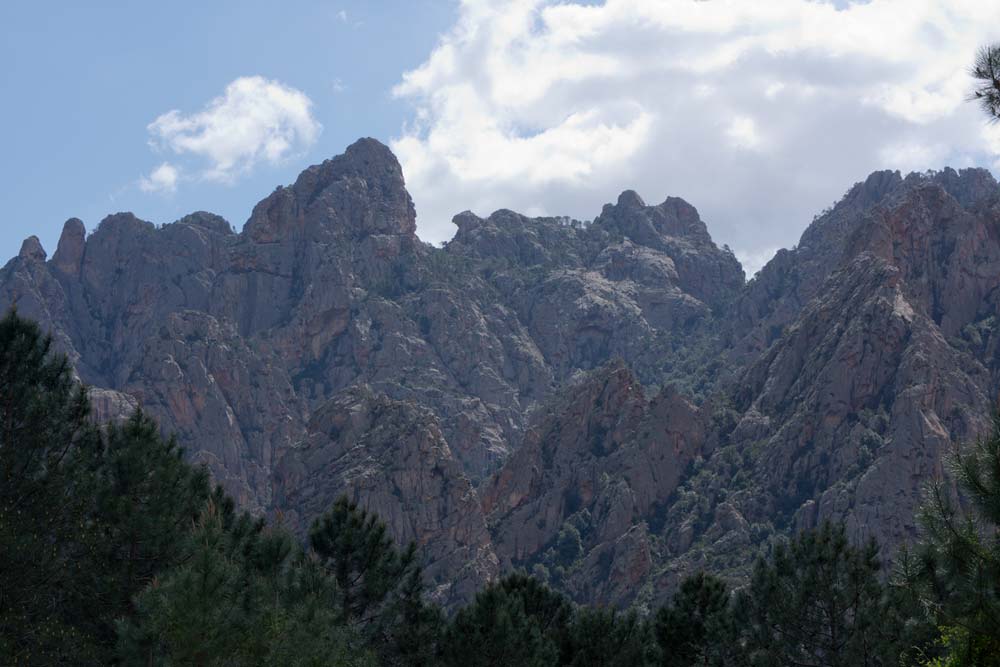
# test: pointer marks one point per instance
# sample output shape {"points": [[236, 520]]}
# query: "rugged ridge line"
{"points": [[607, 403]]}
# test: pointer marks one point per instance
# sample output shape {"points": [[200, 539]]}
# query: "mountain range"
{"points": [[608, 404]]}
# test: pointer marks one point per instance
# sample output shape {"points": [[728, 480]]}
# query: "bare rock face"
{"points": [[391, 457], [69, 253], [597, 461], [631, 284], [108, 405], [32, 250], [360, 193], [605, 403], [200, 380], [675, 228], [872, 362]]}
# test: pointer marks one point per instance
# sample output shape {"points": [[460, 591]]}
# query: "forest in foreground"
{"points": [[117, 551]]}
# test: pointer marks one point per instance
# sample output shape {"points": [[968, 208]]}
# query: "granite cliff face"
{"points": [[605, 403], [870, 350]]}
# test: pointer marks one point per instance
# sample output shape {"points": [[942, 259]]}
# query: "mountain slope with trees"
{"points": [[121, 554], [463, 392]]}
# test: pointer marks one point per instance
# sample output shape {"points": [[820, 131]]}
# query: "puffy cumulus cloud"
{"points": [[759, 113], [162, 179], [254, 120]]}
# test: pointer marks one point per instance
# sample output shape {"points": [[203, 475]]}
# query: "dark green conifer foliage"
{"points": [[147, 502], [818, 601], [986, 72], [356, 549], [379, 589], [191, 615], [248, 596], [47, 454], [415, 626], [696, 629], [609, 638], [516, 621], [956, 571]]}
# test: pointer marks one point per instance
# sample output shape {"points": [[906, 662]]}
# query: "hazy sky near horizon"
{"points": [[759, 114]]}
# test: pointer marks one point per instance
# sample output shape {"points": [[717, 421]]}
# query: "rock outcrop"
{"points": [[391, 457], [596, 462]]}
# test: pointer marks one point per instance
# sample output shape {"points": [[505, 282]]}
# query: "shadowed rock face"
{"points": [[601, 458], [391, 457], [606, 402]]}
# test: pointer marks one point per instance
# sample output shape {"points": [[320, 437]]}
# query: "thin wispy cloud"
{"points": [[254, 121], [759, 113]]}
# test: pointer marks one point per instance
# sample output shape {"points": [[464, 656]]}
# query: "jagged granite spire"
{"points": [[69, 253], [32, 250], [357, 194]]}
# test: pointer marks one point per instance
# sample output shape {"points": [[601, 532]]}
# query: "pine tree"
{"points": [[191, 614], [362, 558], [609, 638], [696, 627], [247, 597], [415, 626], [48, 450], [986, 72], [516, 621], [818, 601], [955, 572], [148, 498]]}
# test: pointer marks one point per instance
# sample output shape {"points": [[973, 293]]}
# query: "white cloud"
{"points": [[342, 15], [162, 179], [742, 132], [254, 120], [754, 261], [759, 113], [912, 156]]}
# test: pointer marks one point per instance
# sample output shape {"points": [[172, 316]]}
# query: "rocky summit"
{"points": [[608, 404]]}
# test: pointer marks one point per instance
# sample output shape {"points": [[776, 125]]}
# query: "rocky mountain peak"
{"points": [[69, 252], [123, 225], [929, 224], [873, 189], [358, 194], [969, 187], [648, 225], [209, 221], [510, 235], [630, 200], [32, 250]]}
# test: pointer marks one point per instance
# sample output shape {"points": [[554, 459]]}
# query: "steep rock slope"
{"points": [[392, 457], [876, 354], [595, 464]]}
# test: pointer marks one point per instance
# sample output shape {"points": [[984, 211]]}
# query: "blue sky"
{"points": [[759, 113], [80, 84]]}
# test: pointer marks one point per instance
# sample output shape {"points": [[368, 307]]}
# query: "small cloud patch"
{"points": [[255, 120], [163, 179]]}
